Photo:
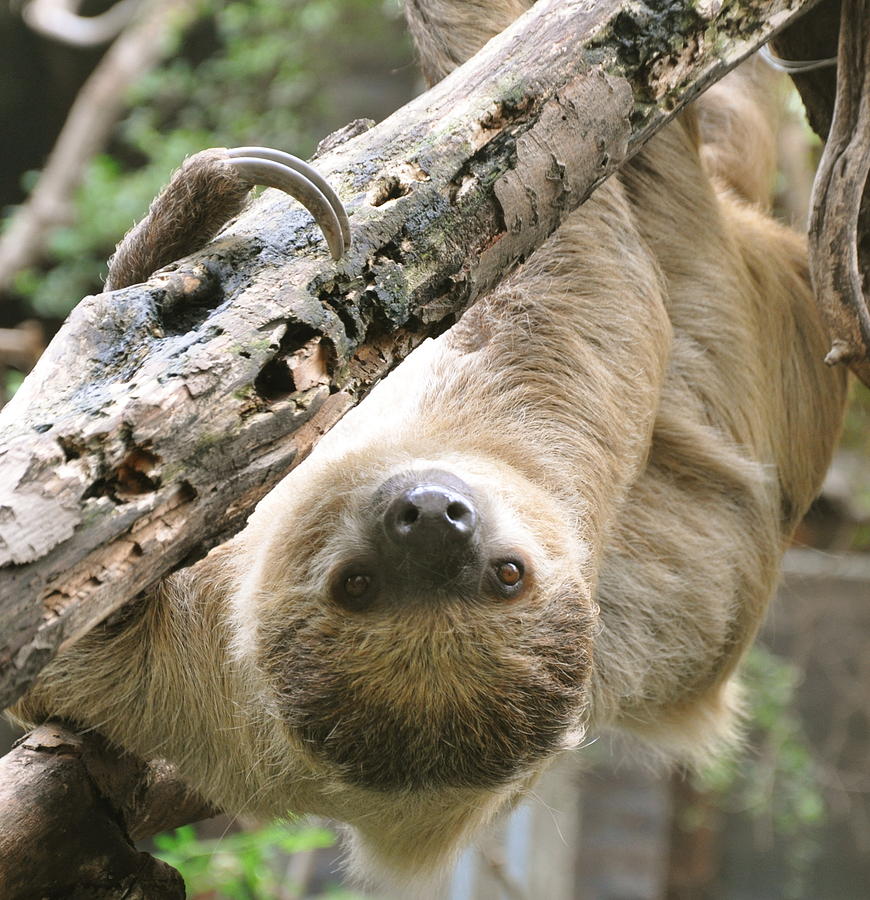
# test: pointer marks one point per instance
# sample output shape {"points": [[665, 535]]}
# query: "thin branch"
{"points": [[839, 233], [60, 21]]}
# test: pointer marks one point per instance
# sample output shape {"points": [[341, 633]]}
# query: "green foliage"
{"points": [[779, 788], [244, 866], [268, 72]]}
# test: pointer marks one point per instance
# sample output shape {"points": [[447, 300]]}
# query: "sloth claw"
{"points": [[274, 168], [208, 190]]}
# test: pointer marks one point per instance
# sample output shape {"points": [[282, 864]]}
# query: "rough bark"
{"points": [[837, 101], [70, 807], [840, 217], [162, 412]]}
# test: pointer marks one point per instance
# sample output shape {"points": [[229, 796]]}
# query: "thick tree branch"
{"points": [[161, 413], [70, 807]]}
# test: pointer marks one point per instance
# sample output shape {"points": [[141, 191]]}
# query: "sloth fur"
{"points": [[641, 415]]}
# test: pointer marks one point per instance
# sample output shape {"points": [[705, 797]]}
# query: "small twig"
{"points": [[89, 124], [841, 202]]}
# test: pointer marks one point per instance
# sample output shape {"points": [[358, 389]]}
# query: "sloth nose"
{"points": [[430, 513], [433, 525]]}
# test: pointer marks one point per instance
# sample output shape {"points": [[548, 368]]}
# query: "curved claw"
{"points": [[274, 168], [299, 165]]}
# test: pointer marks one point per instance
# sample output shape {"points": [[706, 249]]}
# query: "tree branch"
{"points": [[840, 218], [161, 413], [56, 784]]}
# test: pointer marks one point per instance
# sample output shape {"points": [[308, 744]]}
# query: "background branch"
{"points": [[60, 21], [86, 131], [840, 218]]}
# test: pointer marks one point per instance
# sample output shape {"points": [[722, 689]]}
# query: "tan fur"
{"points": [[645, 410]]}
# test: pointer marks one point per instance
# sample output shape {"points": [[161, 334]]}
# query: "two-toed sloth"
{"points": [[567, 513]]}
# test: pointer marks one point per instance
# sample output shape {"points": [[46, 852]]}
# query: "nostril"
{"points": [[409, 516], [459, 513]]}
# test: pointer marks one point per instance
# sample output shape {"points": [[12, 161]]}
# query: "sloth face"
{"points": [[425, 629]]}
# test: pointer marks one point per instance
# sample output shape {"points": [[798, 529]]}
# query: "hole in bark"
{"points": [[188, 299], [301, 349], [387, 188], [391, 251], [70, 450], [275, 380], [348, 321], [136, 473]]}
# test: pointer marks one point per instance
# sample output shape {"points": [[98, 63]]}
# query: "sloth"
{"points": [[565, 514]]}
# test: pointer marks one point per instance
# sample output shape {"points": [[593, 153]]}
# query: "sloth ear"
{"points": [[209, 190]]}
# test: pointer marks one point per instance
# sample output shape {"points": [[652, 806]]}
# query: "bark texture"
{"points": [[840, 218], [70, 807], [162, 412], [837, 101]]}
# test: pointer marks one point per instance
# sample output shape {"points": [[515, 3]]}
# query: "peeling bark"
{"points": [[162, 412]]}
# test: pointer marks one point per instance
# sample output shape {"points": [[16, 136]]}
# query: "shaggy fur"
{"points": [[643, 415]]}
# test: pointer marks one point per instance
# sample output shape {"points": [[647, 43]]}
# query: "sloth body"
{"points": [[622, 437]]}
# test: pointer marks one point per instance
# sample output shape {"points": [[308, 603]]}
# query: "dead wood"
{"points": [[840, 218], [162, 412], [70, 807]]}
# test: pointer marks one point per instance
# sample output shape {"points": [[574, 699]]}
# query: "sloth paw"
{"points": [[206, 192]]}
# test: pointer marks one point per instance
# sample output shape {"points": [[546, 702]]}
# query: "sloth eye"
{"points": [[357, 586], [508, 577], [509, 573], [354, 589]]}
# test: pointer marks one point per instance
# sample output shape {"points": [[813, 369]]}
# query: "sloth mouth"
{"points": [[419, 709], [388, 748]]}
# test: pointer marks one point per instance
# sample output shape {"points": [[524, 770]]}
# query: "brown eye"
{"points": [[356, 586], [509, 573], [508, 578]]}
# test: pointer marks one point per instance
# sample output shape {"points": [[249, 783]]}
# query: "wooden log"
{"points": [[161, 413]]}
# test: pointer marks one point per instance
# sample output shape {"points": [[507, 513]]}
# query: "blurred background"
{"points": [[99, 102]]}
